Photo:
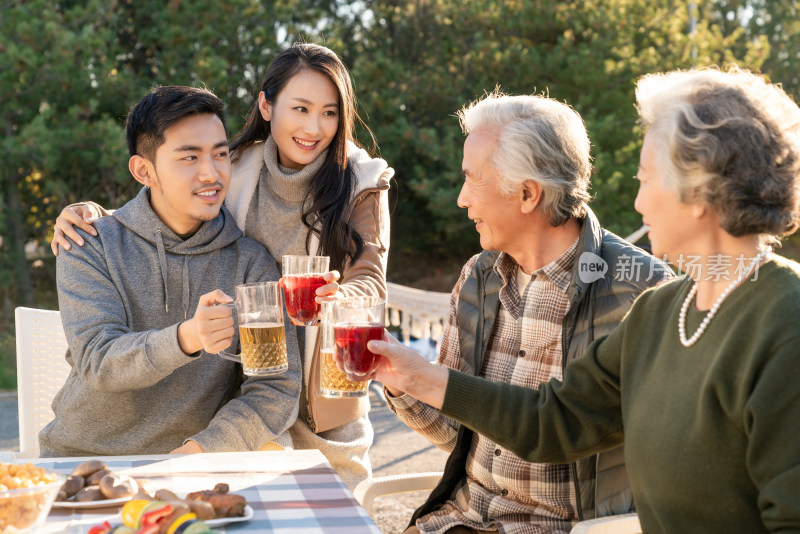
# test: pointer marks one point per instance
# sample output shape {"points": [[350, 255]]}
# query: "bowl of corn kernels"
{"points": [[26, 494]]}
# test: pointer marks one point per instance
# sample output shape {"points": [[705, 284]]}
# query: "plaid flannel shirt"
{"points": [[502, 491]]}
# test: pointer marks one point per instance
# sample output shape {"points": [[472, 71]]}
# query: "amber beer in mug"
{"points": [[263, 347], [333, 382], [259, 310]]}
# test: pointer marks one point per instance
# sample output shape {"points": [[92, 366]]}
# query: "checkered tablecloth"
{"points": [[290, 491]]}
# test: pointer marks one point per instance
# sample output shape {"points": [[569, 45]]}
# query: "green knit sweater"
{"points": [[712, 432]]}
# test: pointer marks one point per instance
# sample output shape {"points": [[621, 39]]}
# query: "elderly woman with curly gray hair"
{"points": [[700, 379]]}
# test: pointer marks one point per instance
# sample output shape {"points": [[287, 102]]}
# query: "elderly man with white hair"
{"points": [[548, 282]]}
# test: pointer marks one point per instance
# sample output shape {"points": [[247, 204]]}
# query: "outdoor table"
{"points": [[289, 491]]}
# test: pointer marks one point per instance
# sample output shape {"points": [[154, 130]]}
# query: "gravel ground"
{"points": [[396, 450]]}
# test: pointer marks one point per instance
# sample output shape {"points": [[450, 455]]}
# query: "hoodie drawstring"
{"points": [[185, 287], [162, 260]]}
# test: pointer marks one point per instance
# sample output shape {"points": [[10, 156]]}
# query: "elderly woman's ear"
{"points": [[700, 210]]}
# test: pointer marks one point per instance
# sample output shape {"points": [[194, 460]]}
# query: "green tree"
{"points": [[50, 124], [774, 22], [69, 71], [416, 62]]}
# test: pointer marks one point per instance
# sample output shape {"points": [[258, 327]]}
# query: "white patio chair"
{"points": [[368, 490], [612, 524], [41, 371]]}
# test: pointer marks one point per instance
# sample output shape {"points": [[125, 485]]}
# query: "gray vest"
{"points": [[601, 481]]}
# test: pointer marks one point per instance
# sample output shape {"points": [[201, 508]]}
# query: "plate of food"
{"points": [[195, 513], [92, 485], [104, 503]]}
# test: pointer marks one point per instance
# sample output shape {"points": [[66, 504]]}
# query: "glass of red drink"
{"points": [[334, 383], [302, 276], [357, 320]]}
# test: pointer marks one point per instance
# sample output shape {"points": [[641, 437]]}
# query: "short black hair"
{"points": [[162, 107]]}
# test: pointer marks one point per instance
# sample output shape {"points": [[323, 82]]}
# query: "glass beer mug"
{"points": [[258, 310], [333, 382]]}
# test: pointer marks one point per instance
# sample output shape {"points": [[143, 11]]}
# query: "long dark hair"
{"points": [[327, 200]]}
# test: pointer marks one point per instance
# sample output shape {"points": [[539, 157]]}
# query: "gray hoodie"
{"points": [[132, 390]]}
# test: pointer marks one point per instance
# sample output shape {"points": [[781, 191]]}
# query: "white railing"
{"points": [[416, 312], [638, 234]]}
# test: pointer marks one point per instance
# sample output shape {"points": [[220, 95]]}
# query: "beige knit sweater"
{"points": [[266, 200]]}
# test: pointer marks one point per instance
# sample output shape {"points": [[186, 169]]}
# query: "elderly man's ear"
{"points": [[530, 195]]}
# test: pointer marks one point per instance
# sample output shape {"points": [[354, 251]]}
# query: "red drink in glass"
{"points": [[299, 292], [351, 343]]}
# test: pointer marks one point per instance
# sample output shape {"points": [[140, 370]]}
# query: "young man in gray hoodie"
{"points": [[138, 303]]}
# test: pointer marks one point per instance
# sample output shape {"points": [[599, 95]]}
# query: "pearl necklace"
{"points": [[715, 308]]}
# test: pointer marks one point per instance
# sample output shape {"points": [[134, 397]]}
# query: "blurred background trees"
{"points": [[70, 70], [416, 63]]}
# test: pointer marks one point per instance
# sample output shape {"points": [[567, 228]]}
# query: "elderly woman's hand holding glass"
{"points": [[402, 370], [700, 379]]}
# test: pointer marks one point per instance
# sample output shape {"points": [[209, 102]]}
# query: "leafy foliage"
{"points": [[419, 62], [70, 70]]}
